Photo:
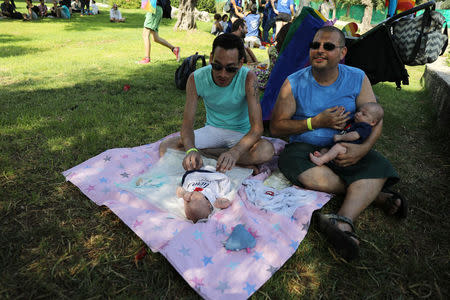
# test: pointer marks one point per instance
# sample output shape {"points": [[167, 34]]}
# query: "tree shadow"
{"points": [[9, 51], [9, 38]]}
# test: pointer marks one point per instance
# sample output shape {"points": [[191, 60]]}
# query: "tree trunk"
{"points": [[186, 15], [347, 14], [368, 11]]}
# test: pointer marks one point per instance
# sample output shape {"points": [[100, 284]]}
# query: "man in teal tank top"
{"points": [[313, 105], [233, 126]]}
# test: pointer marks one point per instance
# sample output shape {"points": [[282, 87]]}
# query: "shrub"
{"points": [[207, 5], [175, 3], [126, 3]]}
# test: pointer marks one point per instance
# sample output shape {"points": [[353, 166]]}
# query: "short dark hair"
{"points": [[217, 17], [229, 41], [334, 29], [236, 24]]}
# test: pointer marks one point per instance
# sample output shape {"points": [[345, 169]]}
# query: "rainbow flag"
{"points": [[149, 5]]}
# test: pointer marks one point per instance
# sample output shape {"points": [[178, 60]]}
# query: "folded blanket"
{"points": [[196, 250]]}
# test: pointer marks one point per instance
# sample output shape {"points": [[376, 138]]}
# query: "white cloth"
{"points": [[283, 202], [212, 185], [115, 14]]}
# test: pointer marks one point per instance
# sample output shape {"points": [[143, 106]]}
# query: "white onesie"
{"points": [[207, 181]]}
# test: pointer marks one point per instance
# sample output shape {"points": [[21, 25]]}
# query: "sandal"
{"points": [[343, 241], [402, 210]]}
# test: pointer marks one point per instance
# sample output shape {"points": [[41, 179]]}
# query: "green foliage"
{"points": [[202, 5], [206, 5], [126, 3], [445, 4]]}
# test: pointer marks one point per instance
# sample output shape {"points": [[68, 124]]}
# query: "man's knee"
{"points": [[173, 143], [266, 150], [321, 179]]}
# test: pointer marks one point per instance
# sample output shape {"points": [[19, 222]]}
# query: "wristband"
{"points": [[190, 150], [308, 123]]}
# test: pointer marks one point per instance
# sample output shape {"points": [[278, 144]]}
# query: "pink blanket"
{"points": [[196, 250]]}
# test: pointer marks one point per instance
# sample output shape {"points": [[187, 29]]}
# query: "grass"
{"points": [[61, 103]]}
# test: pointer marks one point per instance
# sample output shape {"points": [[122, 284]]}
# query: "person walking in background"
{"points": [[151, 26]]}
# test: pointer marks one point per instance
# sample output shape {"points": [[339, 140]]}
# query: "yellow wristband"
{"points": [[308, 122], [190, 150]]}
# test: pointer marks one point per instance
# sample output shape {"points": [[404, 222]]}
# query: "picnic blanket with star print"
{"points": [[197, 250]]}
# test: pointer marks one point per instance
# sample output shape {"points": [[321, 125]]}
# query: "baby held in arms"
{"points": [[202, 191], [367, 116]]}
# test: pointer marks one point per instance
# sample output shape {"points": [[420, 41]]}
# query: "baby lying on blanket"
{"points": [[202, 191]]}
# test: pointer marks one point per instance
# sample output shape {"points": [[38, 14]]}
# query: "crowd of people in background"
{"points": [[60, 9], [260, 17]]}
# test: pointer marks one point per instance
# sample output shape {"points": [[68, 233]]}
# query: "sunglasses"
{"points": [[218, 67], [327, 46]]}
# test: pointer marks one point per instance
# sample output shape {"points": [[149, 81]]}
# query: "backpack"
{"points": [[167, 9], [188, 66]]}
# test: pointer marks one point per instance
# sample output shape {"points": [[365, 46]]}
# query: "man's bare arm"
{"points": [[285, 107], [192, 160]]}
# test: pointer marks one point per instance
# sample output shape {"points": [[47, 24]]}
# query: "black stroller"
{"points": [[377, 51]]}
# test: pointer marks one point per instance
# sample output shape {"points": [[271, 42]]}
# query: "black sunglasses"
{"points": [[327, 46], [218, 67]]}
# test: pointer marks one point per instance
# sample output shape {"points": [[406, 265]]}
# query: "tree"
{"points": [[186, 15], [368, 12]]}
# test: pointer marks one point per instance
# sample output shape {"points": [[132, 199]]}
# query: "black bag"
{"points": [[167, 9], [188, 66]]}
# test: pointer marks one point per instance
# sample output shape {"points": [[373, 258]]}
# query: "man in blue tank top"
{"points": [[315, 103], [233, 126]]}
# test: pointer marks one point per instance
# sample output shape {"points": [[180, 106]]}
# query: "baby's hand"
{"points": [[180, 192], [337, 138], [222, 203]]}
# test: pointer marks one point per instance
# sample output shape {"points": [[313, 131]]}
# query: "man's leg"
{"points": [[360, 194], [322, 179], [172, 143]]}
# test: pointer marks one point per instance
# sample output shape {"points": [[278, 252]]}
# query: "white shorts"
{"points": [[252, 41], [214, 137]]}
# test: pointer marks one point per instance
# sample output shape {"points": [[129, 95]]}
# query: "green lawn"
{"points": [[62, 102]]}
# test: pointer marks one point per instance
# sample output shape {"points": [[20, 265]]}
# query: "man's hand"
{"points": [[354, 153], [334, 117], [192, 161], [227, 160], [276, 11]]}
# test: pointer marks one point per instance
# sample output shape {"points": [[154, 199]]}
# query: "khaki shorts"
{"points": [[152, 20], [295, 160]]}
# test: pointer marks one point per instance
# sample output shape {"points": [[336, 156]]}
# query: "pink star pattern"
{"points": [[198, 282], [124, 156], [91, 188], [137, 223]]}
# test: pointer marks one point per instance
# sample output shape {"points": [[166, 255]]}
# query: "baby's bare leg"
{"points": [[328, 156]]}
